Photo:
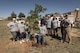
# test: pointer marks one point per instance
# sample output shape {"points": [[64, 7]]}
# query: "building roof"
{"points": [[1, 19]]}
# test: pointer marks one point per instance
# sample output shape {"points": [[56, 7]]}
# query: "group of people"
{"points": [[48, 25], [19, 29]]}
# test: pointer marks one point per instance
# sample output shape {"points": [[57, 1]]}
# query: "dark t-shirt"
{"points": [[64, 23], [43, 21]]}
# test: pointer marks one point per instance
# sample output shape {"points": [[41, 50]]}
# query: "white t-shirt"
{"points": [[39, 23], [49, 23], [51, 18], [18, 22], [69, 22], [13, 26], [42, 29], [21, 27], [55, 23]]}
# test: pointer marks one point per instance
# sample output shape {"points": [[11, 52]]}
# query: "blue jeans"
{"points": [[63, 32], [14, 33], [27, 35], [40, 39], [18, 36], [22, 35]]}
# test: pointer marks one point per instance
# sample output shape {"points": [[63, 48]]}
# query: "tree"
{"points": [[35, 14], [38, 9], [32, 12], [13, 15], [21, 15], [9, 18], [47, 14]]}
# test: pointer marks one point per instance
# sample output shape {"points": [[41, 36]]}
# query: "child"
{"points": [[41, 34]]}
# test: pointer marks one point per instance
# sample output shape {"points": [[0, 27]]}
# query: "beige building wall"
{"points": [[79, 14], [74, 13]]}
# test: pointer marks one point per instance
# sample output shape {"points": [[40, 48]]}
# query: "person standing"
{"points": [[18, 33], [13, 29], [68, 28], [55, 26], [21, 29], [41, 34], [63, 31], [49, 25]]}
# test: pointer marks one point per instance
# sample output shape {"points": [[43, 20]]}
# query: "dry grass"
{"points": [[54, 45]]}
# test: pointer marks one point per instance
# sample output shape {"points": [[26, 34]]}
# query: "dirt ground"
{"points": [[53, 45]]}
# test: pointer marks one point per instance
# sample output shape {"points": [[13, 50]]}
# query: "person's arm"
{"points": [[57, 23], [68, 21], [9, 25], [28, 30], [19, 28], [63, 22], [51, 24], [46, 22], [45, 31], [60, 22]]}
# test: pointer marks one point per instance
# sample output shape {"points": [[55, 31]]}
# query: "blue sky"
{"points": [[61, 6]]}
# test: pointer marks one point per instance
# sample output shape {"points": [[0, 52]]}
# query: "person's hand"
{"points": [[25, 32], [20, 32], [65, 20], [9, 27], [45, 33]]}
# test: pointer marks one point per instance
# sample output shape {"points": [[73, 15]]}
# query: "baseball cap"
{"points": [[14, 19]]}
